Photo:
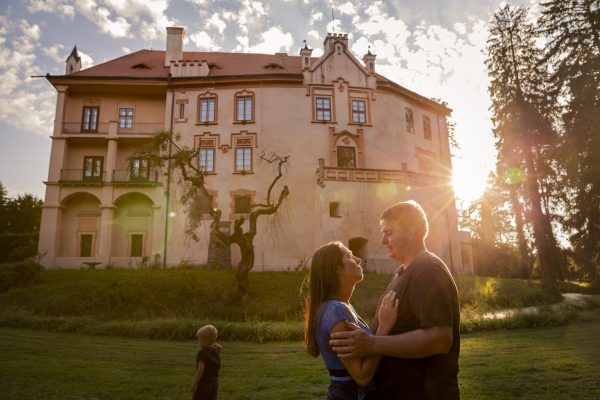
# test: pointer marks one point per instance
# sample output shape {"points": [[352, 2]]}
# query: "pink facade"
{"points": [[357, 142]]}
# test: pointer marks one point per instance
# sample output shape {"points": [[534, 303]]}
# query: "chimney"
{"points": [[332, 38], [369, 60], [305, 53], [73, 62], [174, 45]]}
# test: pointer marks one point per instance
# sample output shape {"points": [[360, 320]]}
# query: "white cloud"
{"points": [[347, 8], [216, 22], [59, 7], [273, 41], [203, 41], [56, 52], [116, 18], [20, 93], [86, 60], [316, 16], [125, 50]]}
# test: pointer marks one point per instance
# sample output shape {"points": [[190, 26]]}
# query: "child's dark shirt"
{"points": [[209, 383]]}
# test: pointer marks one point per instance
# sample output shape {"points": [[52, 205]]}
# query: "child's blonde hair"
{"points": [[208, 333]]}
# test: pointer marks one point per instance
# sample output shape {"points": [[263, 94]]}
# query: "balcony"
{"points": [[142, 128], [77, 177], [376, 176], [70, 128], [128, 177], [112, 128]]}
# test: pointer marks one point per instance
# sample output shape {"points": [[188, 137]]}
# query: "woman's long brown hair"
{"points": [[322, 284]]}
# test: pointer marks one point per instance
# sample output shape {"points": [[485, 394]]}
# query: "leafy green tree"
{"points": [[489, 220], [573, 50], [521, 115]]}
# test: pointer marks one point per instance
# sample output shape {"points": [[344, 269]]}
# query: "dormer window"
{"points": [[273, 66], [141, 66]]}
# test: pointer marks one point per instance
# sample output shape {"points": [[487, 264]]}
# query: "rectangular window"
{"points": [[346, 157], [243, 159], [243, 107], [206, 159], [140, 170], [206, 110], [92, 168], [125, 118], [427, 128], [334, 209], [86, 242], [323, 108], [410, 122], [89, 122], [359, 111], [181, 110], [137, 245], [242, 204]]}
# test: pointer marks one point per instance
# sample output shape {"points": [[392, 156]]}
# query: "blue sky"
{"points": [[433, 47]]}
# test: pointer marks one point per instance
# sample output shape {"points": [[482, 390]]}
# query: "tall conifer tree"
{"points": [[522, 126], [573, 31]]}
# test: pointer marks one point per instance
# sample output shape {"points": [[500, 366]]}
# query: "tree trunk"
{"points": [[525, 269], [542, 242]]}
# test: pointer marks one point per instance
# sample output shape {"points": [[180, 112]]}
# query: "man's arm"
{"points": [[414, 344]]}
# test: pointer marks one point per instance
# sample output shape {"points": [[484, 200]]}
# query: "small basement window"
{"points": [[334, 209]]}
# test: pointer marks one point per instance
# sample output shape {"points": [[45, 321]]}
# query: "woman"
{"points": [[333, 275]]}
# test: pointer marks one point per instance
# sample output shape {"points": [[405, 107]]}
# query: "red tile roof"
{"points": [[150, 64]]}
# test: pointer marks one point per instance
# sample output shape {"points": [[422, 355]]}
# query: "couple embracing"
{"points": [[411, 350]]}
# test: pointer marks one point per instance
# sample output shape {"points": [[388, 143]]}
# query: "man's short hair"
{"points": [[208, 333], [409, 213]]}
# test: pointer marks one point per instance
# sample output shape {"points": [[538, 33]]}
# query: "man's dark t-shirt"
{"points": [[208, 386], [428, 297]]}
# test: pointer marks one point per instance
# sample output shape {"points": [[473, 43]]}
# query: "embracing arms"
{"points": [[414, 344], [362, 369]]}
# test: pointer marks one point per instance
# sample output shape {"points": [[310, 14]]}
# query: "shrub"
{"points": [[18, 274]]}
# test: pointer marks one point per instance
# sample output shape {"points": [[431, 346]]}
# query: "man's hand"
{"points": [[352, 343]]}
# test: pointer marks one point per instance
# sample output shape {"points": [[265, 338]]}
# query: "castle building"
{"points": [[357, 142]]}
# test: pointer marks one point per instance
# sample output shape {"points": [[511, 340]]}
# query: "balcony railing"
{"points": [[101, 128], [142, 128], [127, 176], [78, 176], [376, 176]]}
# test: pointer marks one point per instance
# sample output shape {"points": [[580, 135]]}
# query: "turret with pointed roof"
{"points": [[73, 62]]}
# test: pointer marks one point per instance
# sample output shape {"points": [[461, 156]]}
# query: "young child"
{"points": [[208, 363]]}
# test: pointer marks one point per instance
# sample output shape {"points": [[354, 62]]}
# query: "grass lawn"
{"points": [[557, 363]]}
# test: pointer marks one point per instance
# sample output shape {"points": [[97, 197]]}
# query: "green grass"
{"points": [[558, 363], [129, 294], [172, 303]]}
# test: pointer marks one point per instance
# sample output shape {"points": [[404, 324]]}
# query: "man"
{"points": [[420, 356]]}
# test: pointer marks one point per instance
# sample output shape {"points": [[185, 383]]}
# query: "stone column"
{"points": [[158, 237], [105, 237], [111, 160], [49, 235], [60, 109]]}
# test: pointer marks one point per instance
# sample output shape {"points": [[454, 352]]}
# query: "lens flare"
{"points": [[387, 192]]}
